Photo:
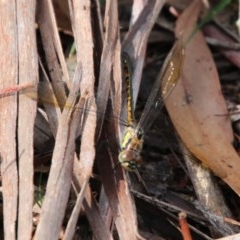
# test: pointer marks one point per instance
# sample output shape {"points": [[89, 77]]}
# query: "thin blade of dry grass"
{"points": [[52, 46], [81, 176], [81, 20], [135, 41], [90, 206], [111, 39], [59, 181], [46, 94], [8, 116], [28, 71], [70, 230]]}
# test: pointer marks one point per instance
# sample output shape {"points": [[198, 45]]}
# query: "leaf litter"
{"points": [[114, 197]]}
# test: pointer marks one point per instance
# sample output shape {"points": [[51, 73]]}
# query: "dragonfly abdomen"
{"points": [[127, 79]]}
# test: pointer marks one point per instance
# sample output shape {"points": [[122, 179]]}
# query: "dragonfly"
{"points": [[133, 138]]}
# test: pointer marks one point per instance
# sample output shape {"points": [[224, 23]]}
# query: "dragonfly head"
{"points": [[130, 160]]}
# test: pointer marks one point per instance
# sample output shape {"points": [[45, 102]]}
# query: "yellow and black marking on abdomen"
{"points": [[127, 77]]}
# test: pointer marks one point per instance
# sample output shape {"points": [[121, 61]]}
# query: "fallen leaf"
{"points": [[197, 107]]}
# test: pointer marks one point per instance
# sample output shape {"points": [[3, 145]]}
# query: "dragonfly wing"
{"points": [[165, 83]]}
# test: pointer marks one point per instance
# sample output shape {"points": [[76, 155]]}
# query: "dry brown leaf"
{"points": [[197, 102]]}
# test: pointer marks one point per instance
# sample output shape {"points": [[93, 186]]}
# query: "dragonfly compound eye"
{"points": [[130, 160]]}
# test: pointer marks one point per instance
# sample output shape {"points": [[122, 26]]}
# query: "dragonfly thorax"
{"points": [[130, 155]]}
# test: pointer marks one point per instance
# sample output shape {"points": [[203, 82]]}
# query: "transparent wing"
{"points": [[165, 83], [43, 94]]}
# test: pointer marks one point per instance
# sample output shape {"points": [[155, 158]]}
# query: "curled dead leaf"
{"points": [[196, 103]]}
